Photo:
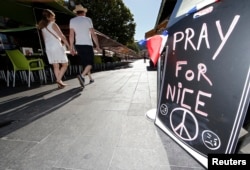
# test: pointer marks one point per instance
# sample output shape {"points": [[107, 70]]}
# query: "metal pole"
{"points": [[39, 36], [151, 114], [158, 80], [161, 65]]}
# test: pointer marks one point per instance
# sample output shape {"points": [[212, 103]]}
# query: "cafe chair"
{"points": [[2, 75], [98, 64], [21, 63]]}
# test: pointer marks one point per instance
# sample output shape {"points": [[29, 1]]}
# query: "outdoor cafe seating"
{"points": [[22, 64]]}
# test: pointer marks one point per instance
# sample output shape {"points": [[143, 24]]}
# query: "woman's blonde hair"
{"points": [[44, 21]]}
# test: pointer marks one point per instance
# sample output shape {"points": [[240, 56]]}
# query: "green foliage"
{"points": [[61, 2], [134, 46], [112, 18]]}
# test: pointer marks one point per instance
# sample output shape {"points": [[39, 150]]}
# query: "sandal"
{"points": [[61, 85]]}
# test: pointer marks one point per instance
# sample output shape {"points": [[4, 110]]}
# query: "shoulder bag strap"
{"points": [[52, 34]]}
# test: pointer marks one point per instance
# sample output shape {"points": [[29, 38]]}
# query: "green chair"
{"points": [[21, 63]]}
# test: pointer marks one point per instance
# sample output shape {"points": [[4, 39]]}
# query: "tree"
{"points": [[61, 2], [112, 18], [134, 46]]}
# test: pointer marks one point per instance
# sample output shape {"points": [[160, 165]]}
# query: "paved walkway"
{"points": [[102, 127]]}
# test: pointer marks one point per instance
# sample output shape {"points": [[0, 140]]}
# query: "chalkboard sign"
{"points": [[204, 92]]}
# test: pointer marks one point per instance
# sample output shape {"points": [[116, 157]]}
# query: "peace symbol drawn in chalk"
{"points": [[184, 124]]}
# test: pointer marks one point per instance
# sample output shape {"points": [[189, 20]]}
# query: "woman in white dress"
{"points": [[52, 36]]}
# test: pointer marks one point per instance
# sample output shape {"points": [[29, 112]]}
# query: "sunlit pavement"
{"points": [[100, 127]]}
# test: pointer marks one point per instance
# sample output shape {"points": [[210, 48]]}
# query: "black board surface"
{"points": [[204, 93]]}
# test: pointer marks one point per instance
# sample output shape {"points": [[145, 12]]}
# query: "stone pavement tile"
{"points": [[141, 97], [11, 150], [245, 149], [94, 147], [108, 124], [138, 132], [52, 148], [122, 96], [37, 128], [142, 86], [83, 154], [137, 159], [138, 109], [118, 105], [185, 168], [21, 99]]}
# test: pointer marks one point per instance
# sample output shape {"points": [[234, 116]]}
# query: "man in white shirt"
{"points": [[81, 34]]}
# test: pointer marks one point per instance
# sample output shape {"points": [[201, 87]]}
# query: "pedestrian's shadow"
{"points": [[19, 112]]}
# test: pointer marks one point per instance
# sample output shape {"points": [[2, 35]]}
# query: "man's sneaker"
{"points": [[81, 80], [91, 81]]}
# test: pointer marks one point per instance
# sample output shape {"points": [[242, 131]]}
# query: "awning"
{"points": [[28, 12], [109, 44], [17, 29], [23, 11]]}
